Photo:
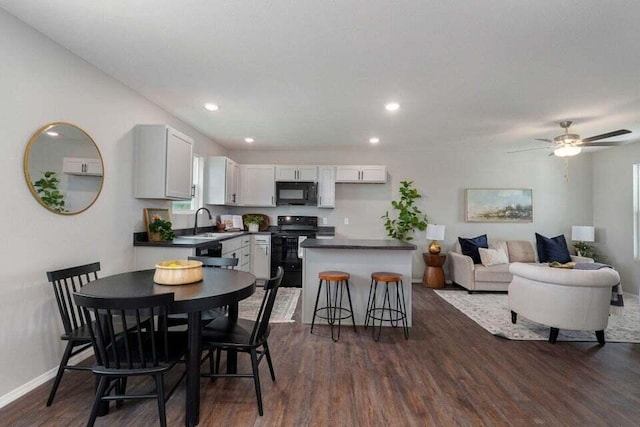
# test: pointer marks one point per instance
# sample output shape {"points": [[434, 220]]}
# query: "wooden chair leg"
{"points": [[161, 401], [102, 386], [61, 368], [600, 337], [553, 335], [211, 371], [268, 355], [121, 389], [256, 378], [218, 356], [514, 317]]}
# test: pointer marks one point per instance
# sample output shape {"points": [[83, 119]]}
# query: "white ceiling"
{"points": [[316, 74]]}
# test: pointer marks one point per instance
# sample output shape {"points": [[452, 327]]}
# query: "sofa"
{"points": [[562, 298], [477, 277]]}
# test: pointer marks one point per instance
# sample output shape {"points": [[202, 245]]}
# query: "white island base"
{"points": [[359, 263]]}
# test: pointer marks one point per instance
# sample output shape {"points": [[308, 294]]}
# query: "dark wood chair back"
{"points": [[141, 344], [216, 262], [67, 281], [264, 315]]}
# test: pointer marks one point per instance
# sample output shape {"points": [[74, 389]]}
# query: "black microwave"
{"points": [[296, 193]]}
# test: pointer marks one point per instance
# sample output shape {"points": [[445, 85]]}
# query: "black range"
{"points": [[285, 246]]}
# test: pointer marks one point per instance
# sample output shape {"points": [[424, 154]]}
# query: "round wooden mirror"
{"points": [[63, 168]]}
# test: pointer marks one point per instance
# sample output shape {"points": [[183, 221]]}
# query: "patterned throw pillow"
{"points": [[469, 246], [493, 256]]}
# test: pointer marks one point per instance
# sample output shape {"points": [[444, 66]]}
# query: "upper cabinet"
{"points": [[78, 166], [257, 185], [326, 186], [296, 173], [163, 161], [361, 174], [221, 181]]}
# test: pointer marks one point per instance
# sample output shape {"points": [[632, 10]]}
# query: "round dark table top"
{"points": [[218, 287]]}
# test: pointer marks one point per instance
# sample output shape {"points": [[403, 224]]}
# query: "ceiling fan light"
{"points": [[567, 151]]}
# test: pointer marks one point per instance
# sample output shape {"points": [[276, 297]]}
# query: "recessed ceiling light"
{"points": [[392, 106], [211, 107], [374, 140], [52, 133], [249, 140]]}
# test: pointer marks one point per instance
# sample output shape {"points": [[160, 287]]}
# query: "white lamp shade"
{"points": [[583, 233], [435, 232]]}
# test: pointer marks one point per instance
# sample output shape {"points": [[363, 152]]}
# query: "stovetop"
{"points": [[297, 225]]}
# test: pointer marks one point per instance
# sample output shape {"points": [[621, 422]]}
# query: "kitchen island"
{"points": [[359, 258]]}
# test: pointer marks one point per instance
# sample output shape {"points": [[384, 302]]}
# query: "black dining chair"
{"points": [[210, 314], [76, 333], [245, 336], [141, 349]]}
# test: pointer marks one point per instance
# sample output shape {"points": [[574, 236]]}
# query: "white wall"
{"points": [[613, 211], [441, 178], [41, 82]]}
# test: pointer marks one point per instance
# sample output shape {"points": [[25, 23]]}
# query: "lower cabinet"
{"points": [[261, 255]]}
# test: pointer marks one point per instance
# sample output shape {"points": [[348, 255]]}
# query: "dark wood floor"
{"points": [[450, 372]]}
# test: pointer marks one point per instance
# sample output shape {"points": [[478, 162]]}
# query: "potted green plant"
{"points": [[409, 216], [253, 222], [47, 189], [160, 229]]}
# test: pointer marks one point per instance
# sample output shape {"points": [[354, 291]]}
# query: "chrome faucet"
{"points": [[195, 224]]}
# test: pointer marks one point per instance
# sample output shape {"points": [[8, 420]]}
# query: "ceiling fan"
{"points": [[570, 144]]}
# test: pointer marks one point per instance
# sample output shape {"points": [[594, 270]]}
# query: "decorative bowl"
{"points": [[178, 272]]}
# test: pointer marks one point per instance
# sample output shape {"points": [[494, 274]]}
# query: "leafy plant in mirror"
{"points": [[409, 217], [47, 189], [161, 226]]}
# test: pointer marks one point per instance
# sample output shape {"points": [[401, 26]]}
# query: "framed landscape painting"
{"points": [[498, 205]]}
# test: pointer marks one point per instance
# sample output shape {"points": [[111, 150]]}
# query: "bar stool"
{"points": [[395, 315], [333, 310]]}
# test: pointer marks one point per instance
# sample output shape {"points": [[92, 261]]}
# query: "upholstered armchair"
{"points": [[562, 298]]}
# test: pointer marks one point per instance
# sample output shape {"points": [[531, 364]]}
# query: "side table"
{"points": [[433, 274]]}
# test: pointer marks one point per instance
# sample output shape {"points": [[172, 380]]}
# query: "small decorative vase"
{"points": [[253, 227], [155, 237]]}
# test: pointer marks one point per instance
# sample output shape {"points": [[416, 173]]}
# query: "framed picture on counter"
{"points": [[498, 205], [152, 214]]}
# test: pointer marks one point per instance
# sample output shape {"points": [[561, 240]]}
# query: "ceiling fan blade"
{"points": [[528, 149], [543, 140], [604, 144], [607, 135]]}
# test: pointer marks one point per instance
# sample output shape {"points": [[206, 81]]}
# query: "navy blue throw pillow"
{"points": [[470, 246], [552, 249]]}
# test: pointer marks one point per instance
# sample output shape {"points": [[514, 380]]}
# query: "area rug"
{"points": [[283, 308], [491, 311]]}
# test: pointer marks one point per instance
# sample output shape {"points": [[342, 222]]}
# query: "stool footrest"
{"points": [[329, 317], [400, 314]]}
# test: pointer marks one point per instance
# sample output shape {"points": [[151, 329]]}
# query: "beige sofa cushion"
{"points": [[493, 273], [521, 251]]}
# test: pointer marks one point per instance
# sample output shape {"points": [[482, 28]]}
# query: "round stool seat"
{"points": [[384, 276], [333, 275]]}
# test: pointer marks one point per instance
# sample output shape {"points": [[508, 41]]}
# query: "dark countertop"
{"points": [[183, 240], [357, 244]]}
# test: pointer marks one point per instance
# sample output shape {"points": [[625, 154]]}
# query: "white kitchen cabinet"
{"points": [[361, 174], [296, 173], [245, 253], [258, 185], [163, 161], [261, 255], [238, 247], [221, 181], [326, 186], [78, 166]]}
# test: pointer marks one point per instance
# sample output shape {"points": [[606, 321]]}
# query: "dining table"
{"points": [[218, 287]]}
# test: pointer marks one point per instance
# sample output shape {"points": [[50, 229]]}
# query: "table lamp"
{"points": [[582, 234], [435, 232]]}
